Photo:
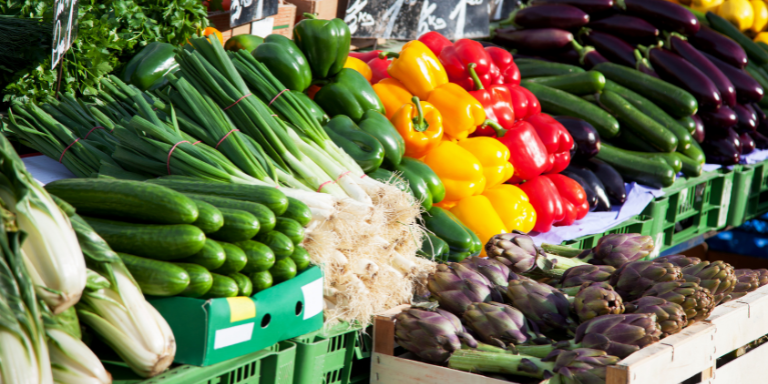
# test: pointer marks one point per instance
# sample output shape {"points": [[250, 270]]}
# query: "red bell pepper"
{"points": [[519, 101], [497, 102], [365, 56], [527, 153], [379, 69], [533, 103], [456, 60], [508, 73], [574, 194], [556, 139], [435, 41], [543, 195]]}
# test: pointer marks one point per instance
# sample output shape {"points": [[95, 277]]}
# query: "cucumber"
{"points": [[581, 83], [688, 123], [301, 258], [238, 226], [161, 242], [223, 286], [261, 280], [200, 280], [270, 197], [283, 270], [280, 244], [125, 200], [557, 102], [290, 228], [691, 167], [260, 257], [696, 153], [675, 100], [653, 172], [155, 277], [236, 259], [265, 216], [754, 52], [212, 256], [672, 159], [298, 211], [209, 218], [538, 68], [65, 207], [244, 285], [628, 140], [640, 124]]}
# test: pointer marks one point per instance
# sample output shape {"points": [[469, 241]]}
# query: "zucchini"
{"points": [[691, 167], [581, 83], [270, 197], [235, 261], [290, 228], [754, 51], [628, 140], [297, 211], [653, 172], [65, 207], [260, 257], [280, 244], [161, 242], [265, 216], [212, 256], [244, 285], [538, 68], [209, 218], [675, 100], [557, 102], [125, 200], [672, 159], [155, 277], [696, 153], [261, 280], [222, 286], [640, 124], [688, 123], [238, 226], [301, 258], [200, 280]]}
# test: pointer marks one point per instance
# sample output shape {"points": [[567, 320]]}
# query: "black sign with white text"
{"points": [[246, 11], [64, 27]]}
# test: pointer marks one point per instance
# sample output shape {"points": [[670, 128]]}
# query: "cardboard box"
{"points": [[285, 19], [211, 331], [325, 9], [282, 23]]}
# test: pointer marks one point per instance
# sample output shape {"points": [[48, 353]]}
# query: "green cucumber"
{"points": [[538, 68], [212, 256], [265, 216], [438, 221], [280, 244], [629, 140], [209, 218], [582, 83], [640, 124], [200, 280], [156, 241], [301, 258], [283, 270], [271, 197], [236, 259], [155, 277], [125, 200], [290, 228], [260, 257], [688, 123], [672, 158], [754, 52], [223, 286], [653, 172], [675, 100], [298, 211], [238, 226], [261, 281], [696, 153], [559, 103], [244, 285], [691, 167]]}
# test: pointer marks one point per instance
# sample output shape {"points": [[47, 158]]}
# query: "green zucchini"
{"points": [[640, 124], [209, 218], [688, 123], [696, 153], [557, 102], [272, 198], [653, 172], [238, 226], [125, 200], [538, 68], [261, 281], [260, 257], [236, 259], [298, 211], [65, 207], [671, 158], [265, 216], [301, 258], [223, 286], [754, 52], [244, 285], [691, 167], [212, 256], [581, 83], [280, 244], [675, 100], [155, 277], [629, 140], [290, 228], [161, 242], [200, 280]]}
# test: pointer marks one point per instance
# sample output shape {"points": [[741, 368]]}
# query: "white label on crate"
{"points": [[263, 27], [233, 335], [725, 202], [313, 298], [682, 200]]}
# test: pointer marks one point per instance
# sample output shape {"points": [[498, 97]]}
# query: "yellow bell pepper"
{"points": [[360, 66], [477, 213], [418, 69], [706, 5], [512, 206], [493, 156], [462, 113], [392, 94], [760, 11], [460, 172], [761, 37], [738, 12], [420, 125]]}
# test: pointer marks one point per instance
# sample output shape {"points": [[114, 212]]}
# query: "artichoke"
{"points": [[597, 299], [576, 276], [718, 277], [697, 301], [581, 365], [431, 335], [679, 260], [544, 306], [496, 271], [497, 324], [618, 249], [618, 335], [670, 316], [762, 276], [634, 278], [456, 287], [748, 281], [516, 250]]}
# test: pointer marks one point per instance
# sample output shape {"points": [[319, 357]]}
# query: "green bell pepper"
{"points": [[325, 44], [378, 126], [434, 183], [385, 176], [440, 222], [147, 69], [314, 110], [285, 61], [244, 41], [348, 93], [477, 245], [360, 146], [424, 183], [434, 248]]}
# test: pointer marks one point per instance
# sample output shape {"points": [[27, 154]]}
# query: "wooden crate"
{"points": [[325, 9], [284, 20], [281, 23]]}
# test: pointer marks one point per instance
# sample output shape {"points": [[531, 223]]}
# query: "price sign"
{"points": [[64, 22], [246, 11], [500, 9]]}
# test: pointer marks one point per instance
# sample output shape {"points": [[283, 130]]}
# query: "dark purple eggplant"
{"points": [[725, 150], [693, 56], [723, 47], [611, 179], [588, 56], [761, 142], [570, 56], [584, 135], [628, 28], [663, 14], [747, 143], [611, 47], [747, 119], [588, 191], [533, 40], [724, 117], [603, 203], [698, 133], [588, 6], [643, 65], [762, 119], [560, 16], [748, 90], [676, 70]]}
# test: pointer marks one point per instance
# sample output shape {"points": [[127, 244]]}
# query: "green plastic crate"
{"points": [[361, 365], [743, 177], [757, 202], [325, 356], [273, 365], [641, 224]]}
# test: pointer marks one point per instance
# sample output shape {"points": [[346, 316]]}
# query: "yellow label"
{"points": [[241, 308]]}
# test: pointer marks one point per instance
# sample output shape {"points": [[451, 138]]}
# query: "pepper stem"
{"points": [[500, 131], [310, 15], [478, 84], [385, 55], [420, 125]]}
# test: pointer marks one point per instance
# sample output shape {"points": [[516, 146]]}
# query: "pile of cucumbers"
{"points": [[187, 237]]}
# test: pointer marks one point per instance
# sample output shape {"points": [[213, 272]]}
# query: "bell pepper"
{"points": [[497, 102], [350, 94], [760, 10], [434, 248], [359, 145], [435, 41], [572, 193], [508, 73], [244, 41], [513, 207], [738, 12], [392, 94], [456, 59], [365, 56], [314, 110], [546, 200], [420, 125], [494, 158], [359, 66], [519, 101], [325, 43], [556, 139], [461, 112], [285, 61], [379, 69], [477, 213], [378, 126], [147, 69], [533, 103], [527, 153], [460, 171], [445, 226], [418, 69], [424, 183], [211, 32]]}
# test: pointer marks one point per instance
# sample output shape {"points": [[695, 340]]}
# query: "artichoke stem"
{"points": [[490, 362], [561, 250], [541, 351]]}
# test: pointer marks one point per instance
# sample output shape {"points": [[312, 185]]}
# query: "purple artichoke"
{"points": [[497, 272], [497, 324], [748, 281], [619, 335], [670, 316], [681, 261], [431, 335], [456, 287], [618, 249], [576, 276], [544, 306], [516, 250], [581, 365], [718, 277], [634, 278], [697, 301], [595, 300], [762, 276]]}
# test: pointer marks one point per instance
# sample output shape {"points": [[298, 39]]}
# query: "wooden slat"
{"points": [[740, 322], [749, 368], [383, 335], [397, 370]]}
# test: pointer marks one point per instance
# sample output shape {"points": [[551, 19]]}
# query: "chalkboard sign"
{"points": [[64, 23], [500, 9], [409, 19], [246, 11]]}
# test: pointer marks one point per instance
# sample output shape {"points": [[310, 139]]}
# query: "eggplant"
{"points": [[747, 119], [570, 56], [603, 203], [747, 143], [725, 150], [588, 191], [626, 27], [584, 135], [693, 56], [533, 40], [611, 179], [698, 133], [663, 14], [723, 47], [588, 6], [643, 65], [748, 90], [613, 48], [560, 16], [588, 56], [762, 120], [725, 117], [761, 142], [676, 70]]}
